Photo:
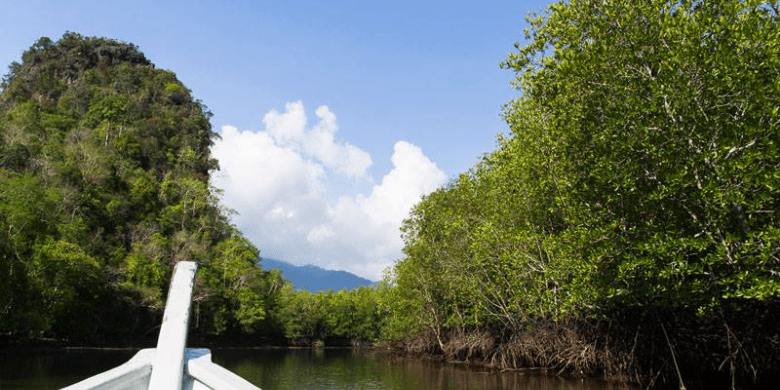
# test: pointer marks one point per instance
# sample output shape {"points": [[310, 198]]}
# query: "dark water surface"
{"points": [[290, 369]]}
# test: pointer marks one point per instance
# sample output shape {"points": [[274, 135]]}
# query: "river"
{"points": [[291, 369]]}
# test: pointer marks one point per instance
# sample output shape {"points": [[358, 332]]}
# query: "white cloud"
{"points": [[276, 179], [258, 171], [319, 234], [289, 130], [373, 221]]}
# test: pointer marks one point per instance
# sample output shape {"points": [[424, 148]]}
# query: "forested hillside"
{"points": [[104, 172], [313, 278], [104, 169], [631, 214]]}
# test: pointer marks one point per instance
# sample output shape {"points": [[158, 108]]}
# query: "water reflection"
{"points": [[289, 369], [22, 369], [303, 369]]}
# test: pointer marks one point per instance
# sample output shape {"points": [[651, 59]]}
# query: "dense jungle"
{"points": [[625, 227]]}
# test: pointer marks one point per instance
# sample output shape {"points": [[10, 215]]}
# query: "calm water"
{"points": [[290, 369]]}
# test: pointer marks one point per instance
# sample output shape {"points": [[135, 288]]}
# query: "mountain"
{"points": [[104, 186], [314, 278]]}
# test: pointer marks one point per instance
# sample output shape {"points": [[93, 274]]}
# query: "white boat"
{"points": [[171, 365]]}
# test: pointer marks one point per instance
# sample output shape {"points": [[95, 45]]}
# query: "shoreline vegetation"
{"points": [[626, 227], [739, 347]]}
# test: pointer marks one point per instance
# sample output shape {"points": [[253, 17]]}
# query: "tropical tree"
{"points": [[663, 119], [104, 170]]}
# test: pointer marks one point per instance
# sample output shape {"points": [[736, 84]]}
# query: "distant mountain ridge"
{"points": [[313, 278]]}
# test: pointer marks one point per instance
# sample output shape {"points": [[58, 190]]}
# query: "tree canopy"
{"points": [[662, 119], [104, 169], [638, 186], [641, 170]]}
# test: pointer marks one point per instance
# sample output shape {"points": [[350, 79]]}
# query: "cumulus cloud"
{"points": [[372, 222], [276, 180], [288, 130]]}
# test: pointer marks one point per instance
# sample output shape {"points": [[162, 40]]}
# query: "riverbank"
{"points": [[654, 348], [197, 340]]}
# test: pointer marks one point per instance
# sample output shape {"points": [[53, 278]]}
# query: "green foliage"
{"points": [[65, 277], [104, 169], [235, 279], [640, 170], [666, 124], [345, 314]]}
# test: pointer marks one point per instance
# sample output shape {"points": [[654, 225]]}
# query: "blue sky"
{"points": [[336, 116]]}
